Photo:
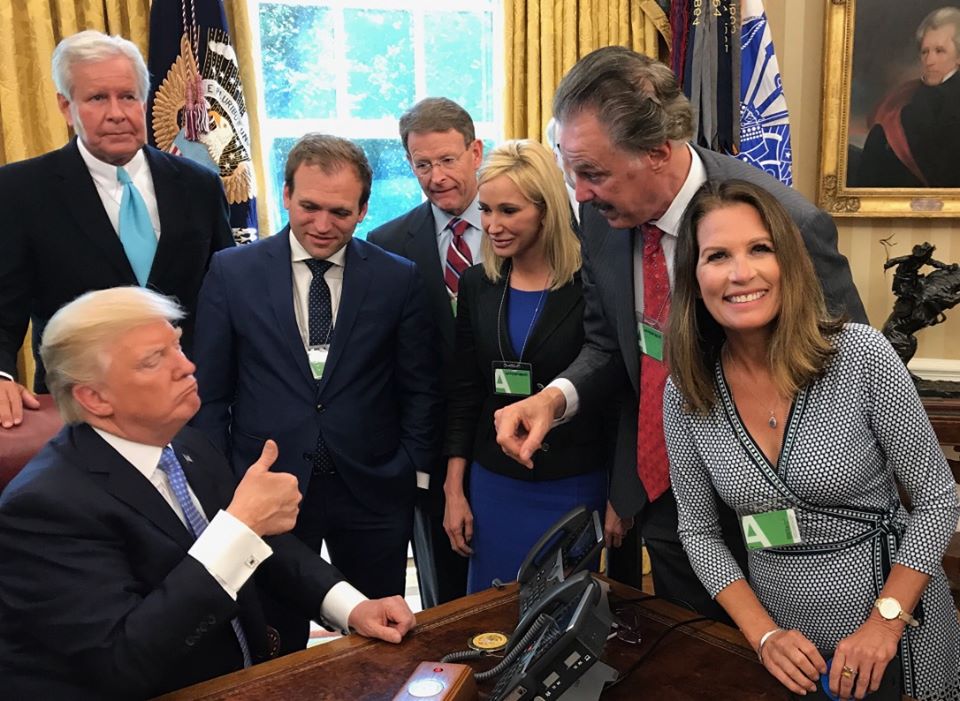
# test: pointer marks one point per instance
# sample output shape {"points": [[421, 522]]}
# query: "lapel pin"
{"points": [[187, 458]]}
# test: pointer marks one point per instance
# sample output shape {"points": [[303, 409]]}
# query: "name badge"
{"points": [[512, 378], [317, 357], [651, 341], [770, 529]]}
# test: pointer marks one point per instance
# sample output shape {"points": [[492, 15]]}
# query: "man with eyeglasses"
{"points": [[442, 236]]}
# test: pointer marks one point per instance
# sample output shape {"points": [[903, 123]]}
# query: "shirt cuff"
{"points": [[6, 376], [230, 552], [338, 604], [570, 395]]}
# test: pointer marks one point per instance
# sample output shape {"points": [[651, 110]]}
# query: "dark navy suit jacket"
{"points": [[57, 241], [379, 404], [98, 597]]}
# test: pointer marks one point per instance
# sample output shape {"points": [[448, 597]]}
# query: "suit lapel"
{"points": [[356, 282], [85, 207], [422, 248], [170, 198], [557, 305], [127, 484], [618, 262], [279, 278]]}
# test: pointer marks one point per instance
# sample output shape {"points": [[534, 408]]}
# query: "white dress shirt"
{"points": [[473, 235], [669, 224], [227, 549], [111, 191]]}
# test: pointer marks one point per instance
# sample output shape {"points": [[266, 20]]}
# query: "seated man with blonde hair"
{"points": [[133, 563]]}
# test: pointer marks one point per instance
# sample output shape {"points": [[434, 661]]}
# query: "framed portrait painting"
{"points": [[891, 109]]}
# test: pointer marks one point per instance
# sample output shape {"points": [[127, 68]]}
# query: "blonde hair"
{"points": [[75, 342], [533, 169], [799, 347]]}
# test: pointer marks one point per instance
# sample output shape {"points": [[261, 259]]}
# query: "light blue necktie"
{"points": [[136, 231], [196, 521]]}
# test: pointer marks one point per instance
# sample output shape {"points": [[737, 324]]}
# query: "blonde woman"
{"points": [[519, 323]]}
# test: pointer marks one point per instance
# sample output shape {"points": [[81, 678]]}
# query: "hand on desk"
{"points": [[385, 619], [13, 398], [267, 502], [794, 661], [867, 651], [521, 427]]}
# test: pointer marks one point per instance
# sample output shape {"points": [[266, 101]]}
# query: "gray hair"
{"points": [[636, 98], [75, 342], [91, 45], [436, 114], [940, 18]]}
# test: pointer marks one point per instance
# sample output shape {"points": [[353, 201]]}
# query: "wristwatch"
{"points": [[890, 609]]}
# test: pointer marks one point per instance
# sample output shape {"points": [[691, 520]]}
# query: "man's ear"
{"points": [[659, 156], [92, 401], [64, 105]]}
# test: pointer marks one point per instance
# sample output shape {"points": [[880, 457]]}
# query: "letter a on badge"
{"points": [[753, 534], [500, 384]]}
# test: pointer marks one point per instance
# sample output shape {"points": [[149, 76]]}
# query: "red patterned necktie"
{"points": [[459, 257], [652, 465]]}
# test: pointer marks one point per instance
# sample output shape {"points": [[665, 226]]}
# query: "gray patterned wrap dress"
{"points": [[848, 435]]}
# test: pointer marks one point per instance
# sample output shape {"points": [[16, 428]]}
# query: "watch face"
{"points": [[889, 608]]}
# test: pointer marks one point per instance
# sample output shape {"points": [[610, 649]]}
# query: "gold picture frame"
{"points": [[852, 82]]}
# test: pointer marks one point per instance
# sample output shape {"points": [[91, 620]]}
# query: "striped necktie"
{"points": [[459, 257], [196, 523]]}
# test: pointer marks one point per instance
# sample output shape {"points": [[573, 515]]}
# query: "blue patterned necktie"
{"points": [[320, 321], [136, 232], [319, 306], [196, 523]]}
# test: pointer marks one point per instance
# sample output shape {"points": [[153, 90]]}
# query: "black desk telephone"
{"points": [[564, 619], [568, 547]]}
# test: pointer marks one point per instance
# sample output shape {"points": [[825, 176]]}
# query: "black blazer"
{"points": [[414, 236], [98, 597], [57, 241], [579, 446]]}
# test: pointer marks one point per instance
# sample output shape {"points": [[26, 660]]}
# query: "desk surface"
{"points": [[706, 660]]}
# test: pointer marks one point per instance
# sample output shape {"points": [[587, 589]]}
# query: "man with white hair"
{"points": [[104, 210], [133, 563]]}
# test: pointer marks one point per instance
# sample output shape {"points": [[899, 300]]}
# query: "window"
{"points": [[351, 68]]}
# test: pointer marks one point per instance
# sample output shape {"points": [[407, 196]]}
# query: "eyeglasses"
{"points": [[446, 164]]}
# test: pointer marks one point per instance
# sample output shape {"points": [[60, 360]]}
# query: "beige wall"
{"points": [[800, 53]]}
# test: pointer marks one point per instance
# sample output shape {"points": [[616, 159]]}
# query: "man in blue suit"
{"points": [[324, 344]]}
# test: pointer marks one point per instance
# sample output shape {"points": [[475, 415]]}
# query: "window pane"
{"points": [[380, 62], [460, 47], [395, 189], [298, 61]]}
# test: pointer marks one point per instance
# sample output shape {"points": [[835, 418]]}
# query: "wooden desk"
{"points": [[707, 661]]}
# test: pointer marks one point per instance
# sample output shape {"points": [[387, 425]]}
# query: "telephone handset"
{"points": [[565, 549], [556, 642]]}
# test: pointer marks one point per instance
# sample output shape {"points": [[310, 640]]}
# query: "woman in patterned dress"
{"points": [[802, 422]]}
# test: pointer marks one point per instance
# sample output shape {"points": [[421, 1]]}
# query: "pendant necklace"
{"points": [[772, 421]]}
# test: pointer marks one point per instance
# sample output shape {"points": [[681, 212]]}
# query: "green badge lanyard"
{"points": [[514, 378]]}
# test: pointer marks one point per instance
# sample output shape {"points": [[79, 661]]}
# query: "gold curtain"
{"points": [[30, 123], [544, 38], [241, 31]]}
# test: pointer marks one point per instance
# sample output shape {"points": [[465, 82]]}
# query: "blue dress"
{"points": [[510, 515]]}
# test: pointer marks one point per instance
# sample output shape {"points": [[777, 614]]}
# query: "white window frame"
{"points": [[351, 127]]}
